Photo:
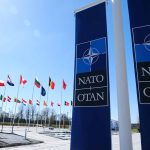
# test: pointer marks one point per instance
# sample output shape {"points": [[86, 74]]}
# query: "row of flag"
{"points": [[25, 102], [36, 83]]}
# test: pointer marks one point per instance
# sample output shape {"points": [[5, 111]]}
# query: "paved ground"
{"points": [[51, 143]]}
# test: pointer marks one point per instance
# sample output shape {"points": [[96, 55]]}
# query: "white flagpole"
{"points": [[28, 119], [3, 104], [15, 108], [122, 83], [30, 106], [47, 103], [38, 114], [12, 112], [5, 111], [60, 110], [50, 116], [70, 114]]}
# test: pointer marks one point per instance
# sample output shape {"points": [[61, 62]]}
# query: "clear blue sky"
{"points": [[37, 38]]}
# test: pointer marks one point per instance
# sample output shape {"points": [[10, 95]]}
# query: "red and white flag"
{"points": [[24, 101], [22, 81], [8, 99], [2, 83]]}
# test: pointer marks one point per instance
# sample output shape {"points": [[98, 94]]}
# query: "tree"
{"points": [[27, 113], [53, 118], [45, 114], [21, 112], [33, 111]]}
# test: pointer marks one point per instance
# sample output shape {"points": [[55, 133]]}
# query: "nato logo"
{"points": [[142, 43], [91, 56]]}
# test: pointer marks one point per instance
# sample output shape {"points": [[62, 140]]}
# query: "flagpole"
{"points": [[15, 108], [70, 115], [50, 117], [3, 104], [4, 114], [27, 125], [38, 114], [47, 103], [122, 81], [12, 112], [29, 106], [10, 115], [60, 110]]}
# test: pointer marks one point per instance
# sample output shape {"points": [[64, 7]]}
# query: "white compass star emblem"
{"points": [[91, 56]]}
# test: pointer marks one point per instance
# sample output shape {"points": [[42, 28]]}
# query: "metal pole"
{"points": [[15, 108], [47, 104], [122, 83], [30, 107], [28, 119], [60, 110], [12, 113], [4, 117], [5, 111], [38, 114], [70, 116], [2, 106]]}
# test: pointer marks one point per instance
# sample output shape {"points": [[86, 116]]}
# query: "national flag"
{"points": [[8, 99], [22, 81], [71, 103], [30, 102], [52, 85], [49, 82], [38, 102], [45, 104], [1, 97], [66, 103], [37, 82], [43, 92], [58, 104], [52, 104], [64, 85], [2, 83], [24, 101], [17, 100], [9, 81], [4, 99]]}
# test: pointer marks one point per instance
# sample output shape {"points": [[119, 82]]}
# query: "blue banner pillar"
{"points": [[139, 13], [91, 106]]}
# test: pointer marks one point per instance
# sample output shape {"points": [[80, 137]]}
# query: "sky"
{"points": [[37, 38]]}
